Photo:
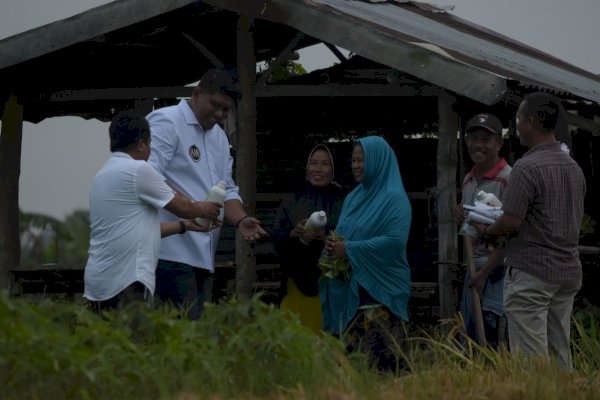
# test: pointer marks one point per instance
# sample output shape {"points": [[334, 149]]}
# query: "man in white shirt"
{"points": [[125, 228], [191, 151]]}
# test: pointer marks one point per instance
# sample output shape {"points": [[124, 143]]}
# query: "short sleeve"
{"points": [[151, 187]]}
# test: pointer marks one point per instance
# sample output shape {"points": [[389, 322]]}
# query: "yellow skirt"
{"points": [[308, 308]]}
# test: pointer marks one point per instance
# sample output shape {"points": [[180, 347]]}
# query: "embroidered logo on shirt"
{"points": [[194, 153]]}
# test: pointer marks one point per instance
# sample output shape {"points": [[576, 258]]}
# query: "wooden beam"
{"points": [[247, 153], [205, 51], [335, 51], [321, 90], [338, 90], [122, 93], [10, 169], [584, 123], [588, 250], [447, 159]]}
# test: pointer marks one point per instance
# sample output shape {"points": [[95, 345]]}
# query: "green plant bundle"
{"points": [[587, 226], [333, 268]]}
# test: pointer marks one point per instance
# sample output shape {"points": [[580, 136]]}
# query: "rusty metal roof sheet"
{"points": [[459, 40], [125, 43]]}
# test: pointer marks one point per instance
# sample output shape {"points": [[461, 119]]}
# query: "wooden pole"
{"points": [[10, 169], [246, 154], [476, 299], [447, 159]]}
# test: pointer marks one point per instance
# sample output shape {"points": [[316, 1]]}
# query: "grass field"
{"points": [[250, 350]]}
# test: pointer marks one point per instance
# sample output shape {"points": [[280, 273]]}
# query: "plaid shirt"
{"points": [[546, 190]]}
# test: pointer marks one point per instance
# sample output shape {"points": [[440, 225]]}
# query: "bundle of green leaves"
{"points": [[334, 268]]}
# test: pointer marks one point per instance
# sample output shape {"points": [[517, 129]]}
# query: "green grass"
{"points": [[250, 350]]}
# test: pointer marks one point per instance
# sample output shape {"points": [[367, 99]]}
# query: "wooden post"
{"points": [[10, 169], [447, 159], [246, 154]]}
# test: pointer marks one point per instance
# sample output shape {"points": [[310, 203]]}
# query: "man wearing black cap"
{"points": [[191, 151], [483, 137]]}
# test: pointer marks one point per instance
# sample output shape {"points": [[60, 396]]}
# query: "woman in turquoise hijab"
{"points": [[372, 233]]}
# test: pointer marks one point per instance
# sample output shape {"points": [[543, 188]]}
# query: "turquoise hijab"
{"points": [[375, 223]]}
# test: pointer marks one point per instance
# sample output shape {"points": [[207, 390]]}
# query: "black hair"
{"points": [[546, 111], [218, 81], [126, 128]]}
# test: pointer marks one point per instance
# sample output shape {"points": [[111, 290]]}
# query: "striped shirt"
{"points": [[493, 181], [546, 190]]}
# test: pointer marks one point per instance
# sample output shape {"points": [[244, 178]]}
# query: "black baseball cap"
{"points": [[486, 121]]}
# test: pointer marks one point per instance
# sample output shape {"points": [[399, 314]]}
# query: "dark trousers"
{"points": [[184, 287], [132, 293]]}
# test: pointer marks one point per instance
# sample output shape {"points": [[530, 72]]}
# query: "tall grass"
{"points": [[248, 350], [443, 368], [53, 350]]}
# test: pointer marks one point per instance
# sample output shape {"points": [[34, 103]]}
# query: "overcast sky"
{"points": [[60, 156]]}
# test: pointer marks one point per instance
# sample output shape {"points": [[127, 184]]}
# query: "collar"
{"points": [[121, 154], [490, 174], [188, 114], [543, 145]]}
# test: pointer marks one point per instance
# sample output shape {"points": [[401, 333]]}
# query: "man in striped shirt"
{"points": [[490, 173], [543, 204]]}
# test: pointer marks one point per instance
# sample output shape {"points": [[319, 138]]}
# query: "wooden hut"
{"points": [[140, 53]]}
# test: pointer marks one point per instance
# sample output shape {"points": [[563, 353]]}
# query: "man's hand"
{"points": [[479, 280], [209, 209], [480, 228], [250, 229], [491, 242], [192, 226], [458, 213]]}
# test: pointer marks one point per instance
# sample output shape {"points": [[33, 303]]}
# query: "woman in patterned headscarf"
{"points": [[368, 309], [299, 250]]}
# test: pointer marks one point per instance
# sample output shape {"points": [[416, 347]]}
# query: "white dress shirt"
{"points": [[125, 228], [192, 160]]}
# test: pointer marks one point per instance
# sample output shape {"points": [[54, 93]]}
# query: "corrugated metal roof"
{"points": [[470, 44], [416, 38]]}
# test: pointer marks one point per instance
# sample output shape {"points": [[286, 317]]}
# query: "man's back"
{"points": [[125, 229], [547, 191]]}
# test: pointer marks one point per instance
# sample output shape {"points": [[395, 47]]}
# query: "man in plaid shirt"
{"points": [[543, 207]]}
